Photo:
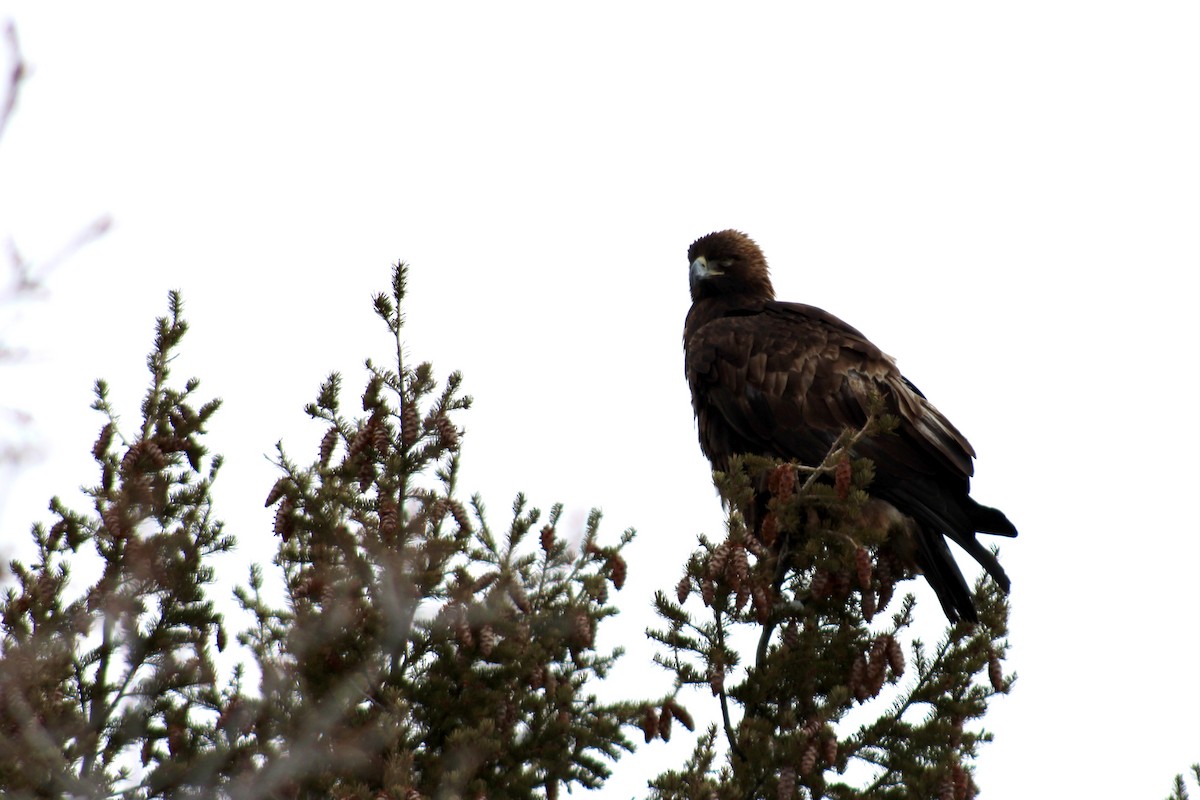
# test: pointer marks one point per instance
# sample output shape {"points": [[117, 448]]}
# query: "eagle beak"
{"points": [[701, 269], [700, 272]]}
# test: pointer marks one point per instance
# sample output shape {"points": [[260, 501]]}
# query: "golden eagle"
{"points": [[784, 380]]}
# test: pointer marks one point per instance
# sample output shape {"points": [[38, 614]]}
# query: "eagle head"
{"points": [[728, 263]]}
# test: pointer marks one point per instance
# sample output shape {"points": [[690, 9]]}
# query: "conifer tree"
{"points": [[118, 679], [813, 590], [420, 652], [1179, 790], [417, 652]]}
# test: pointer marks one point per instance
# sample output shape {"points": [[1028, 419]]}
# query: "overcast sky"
{"points": [[1003, 196]]}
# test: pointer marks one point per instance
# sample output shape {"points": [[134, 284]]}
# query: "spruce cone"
{"points": [[516, 593], [862, 565], [102, 442], [680, 713], [762, 606], [664, 723], [895, 654], [868, 605], [786, 788], [841, 478], [741, 568], [830, 745], [782, 482], [809, 759], [379, 435], [995, 672], [770, 530], [410, 425], [487, 640], [618, 569], [328, 442], [716, 562], [716, 679], [650, 724], [447, 433]]}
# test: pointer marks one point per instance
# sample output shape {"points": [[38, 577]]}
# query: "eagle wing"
{"points": [[786, 379]]}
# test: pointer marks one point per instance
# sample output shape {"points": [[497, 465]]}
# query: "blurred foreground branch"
{"points": [[16, 75], [415, 651], [25, 278]]}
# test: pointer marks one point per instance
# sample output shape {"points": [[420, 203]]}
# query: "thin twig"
{"points": [[780, 574], [16, 75], [96, 720], [724, 698], [829, 463], [894, 716], [91, 233]]}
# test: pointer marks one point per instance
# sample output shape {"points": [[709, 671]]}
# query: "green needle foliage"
{"points": [[414, 651], [1179, 790], [419, 650], [401, 647], [828, 704], [121, 678]]}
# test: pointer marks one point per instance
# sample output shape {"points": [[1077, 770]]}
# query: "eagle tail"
{"points": [[942, 573], [984, 556], [986, 519], [937, 562]]}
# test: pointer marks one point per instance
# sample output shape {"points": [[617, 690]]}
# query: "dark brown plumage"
{"points": [[784, 380]]}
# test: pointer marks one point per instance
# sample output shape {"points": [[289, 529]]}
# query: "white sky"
{"points": [[1005, 197]]}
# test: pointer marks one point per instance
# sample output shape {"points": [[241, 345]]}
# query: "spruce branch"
{"points": [[130, 697], [1179, 790], [811, 586], [16, 75], [417, 651], [406, 601]]}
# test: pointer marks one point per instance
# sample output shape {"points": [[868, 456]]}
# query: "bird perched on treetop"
{"points": [[784, 380]]}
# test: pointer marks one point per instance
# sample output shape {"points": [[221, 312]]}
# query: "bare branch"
{"points": [[16, 74]]}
